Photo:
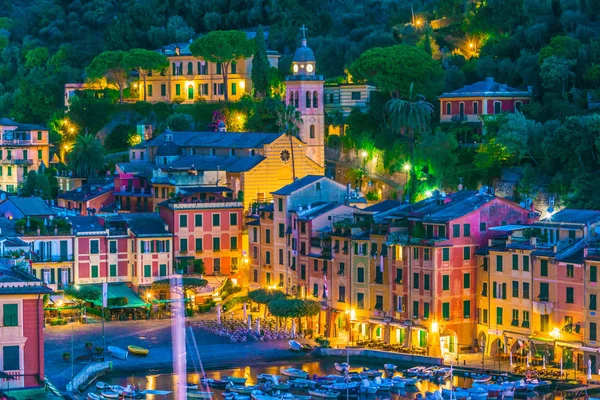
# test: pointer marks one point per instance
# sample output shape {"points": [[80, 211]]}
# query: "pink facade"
{"points": [[33, 330], [207, 231], [111, 251]]}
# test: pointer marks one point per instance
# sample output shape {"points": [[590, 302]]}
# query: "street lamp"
{"points": [[406, 167]]}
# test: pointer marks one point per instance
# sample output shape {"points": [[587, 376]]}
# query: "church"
{"points": [[251, 164]]}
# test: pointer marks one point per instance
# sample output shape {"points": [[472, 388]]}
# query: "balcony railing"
{"points": [[14, 161], [54, 258]]}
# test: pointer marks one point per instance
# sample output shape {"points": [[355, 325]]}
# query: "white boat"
{"points": [[268, 378], [371, 373], [294, 345], [102, 385], [476, 393], [118, 352], [481, 378], [111, 395], [368, 387], [389, 367], [383, 385], [442, 373], [342, 386], [302, 383], [279, 386], [456, 393], [241, 389], [94, 396], [234, 379], [325, 394], [414, 371], [343, 367], [294, 373], [199, 394]]}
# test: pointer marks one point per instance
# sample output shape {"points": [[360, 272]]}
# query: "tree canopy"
{"points": [[294, 308], [265, 296], [110, 65], [394, 69], [223, 47]]}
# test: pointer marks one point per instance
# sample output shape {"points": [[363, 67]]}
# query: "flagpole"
{"points": [[104, 304]]}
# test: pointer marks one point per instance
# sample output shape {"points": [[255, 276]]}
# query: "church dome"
{"points": [[304, 53]]}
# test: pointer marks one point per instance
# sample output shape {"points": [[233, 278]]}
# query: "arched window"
{"points": [[296, 97], [448, 108], [307, 99], [461, 108], [190, 68], [291, 98], [518, 105], [497, 107], [315, 99], [475, 108], [312, 131]]}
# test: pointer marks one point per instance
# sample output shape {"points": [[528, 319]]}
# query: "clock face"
{"points": [[284, 155], [309, 68], [295, 67]]}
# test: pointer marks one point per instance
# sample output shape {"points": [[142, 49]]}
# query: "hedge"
{"points": [[294, 308]]}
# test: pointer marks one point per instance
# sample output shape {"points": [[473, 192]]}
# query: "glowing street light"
{"points": [[364, 154], [419, 22], [407, 167]]}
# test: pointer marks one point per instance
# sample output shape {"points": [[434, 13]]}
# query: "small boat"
{"points": [[279, 386], [294, 373], [442, 373], [371, 373], [235, 396], [268, 378], [212, 383], [479, 378], [456, 393], [118, 352], [302, 383], [111, 395], [343, 387], [295, 345], [389, 367], [241, 389], [137, 350], [477, 393], [94, 396], [414, 371], [102, 385], [343, 367], [234, 379], [199, 394], [324, 394], [383, 385]]}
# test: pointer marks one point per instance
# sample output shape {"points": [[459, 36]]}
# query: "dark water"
{"points": [[319, 367]]}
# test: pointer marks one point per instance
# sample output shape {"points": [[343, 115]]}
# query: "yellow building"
{"points": [[189, 79], [23, 148]]}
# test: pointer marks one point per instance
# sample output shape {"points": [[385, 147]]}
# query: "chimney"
{"points": [[348, 190]]}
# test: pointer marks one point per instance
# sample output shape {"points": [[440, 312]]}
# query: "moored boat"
{"points": [[413, 371], [118, 352], [371, 373], [234, 379], [343, 367], [199, 394], [137, 350], [325, 394], [241, 389], [110, 394], [93, 396], [389, 367], [294, 373], [102, 385], [479, 378]]}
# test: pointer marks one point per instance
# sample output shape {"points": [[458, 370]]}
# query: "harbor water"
{"points": [[165, 381]]}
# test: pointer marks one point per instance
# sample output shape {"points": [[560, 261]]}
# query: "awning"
{"points": [[589, 349], [541, 340], [155, 301], [398, 325], [572, 345], [120, 290], [516, 335], [377, 321], [495, 332]]}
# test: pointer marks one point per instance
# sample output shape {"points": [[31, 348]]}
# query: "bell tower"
{"points": [[304, 90]]}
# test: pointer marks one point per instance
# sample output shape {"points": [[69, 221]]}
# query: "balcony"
{"points": [[138, 192], [18, 142], [53, 258], [14, 161]]}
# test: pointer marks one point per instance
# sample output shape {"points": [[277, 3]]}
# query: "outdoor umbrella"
{"points": [[561, 367], [258, 325], [589, 369], [219, 313], [293, 328], [249, 322], [245, 312], [510, 359]]}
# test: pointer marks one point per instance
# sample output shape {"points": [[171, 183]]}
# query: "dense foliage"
{"points": [[265, 296], [294, 308]]}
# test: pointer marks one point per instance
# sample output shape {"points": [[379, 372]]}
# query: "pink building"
{"points": [[207, 226], [434, 266], [87, 199], [468, 104]]}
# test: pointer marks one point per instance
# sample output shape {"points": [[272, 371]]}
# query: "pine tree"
{"points": [[260, 64]]}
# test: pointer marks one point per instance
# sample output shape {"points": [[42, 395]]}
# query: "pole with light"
{"points": [[363, 155], [406, 167]]}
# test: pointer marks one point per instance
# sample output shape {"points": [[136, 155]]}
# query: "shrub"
{"points": [[373, 196], [58, 321], [204, 308]]}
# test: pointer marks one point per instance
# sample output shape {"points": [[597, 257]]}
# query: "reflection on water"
{"points": [[317, 367]]}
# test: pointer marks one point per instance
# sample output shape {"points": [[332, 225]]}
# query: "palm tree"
{"points": [[410, 115], [289, 120], [87, 156]]}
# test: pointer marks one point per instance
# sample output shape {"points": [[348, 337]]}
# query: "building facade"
{"points": [[21, 327], [23, 148]]}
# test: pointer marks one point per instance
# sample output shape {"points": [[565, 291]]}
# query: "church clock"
{"points": [[284, 155]]}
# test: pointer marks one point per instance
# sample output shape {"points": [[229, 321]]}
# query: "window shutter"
{"points": [[504, 291]]}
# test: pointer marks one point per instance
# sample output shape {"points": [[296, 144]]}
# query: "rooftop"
{"points": [[382, 206], [204, 189], [87, 224], [21, 126], [15, 281], [213, 163], [573, 216], [236, 140], [316, 210], [488, 87], [31, 206], [146, 224], [87, 192], [299, 184]]}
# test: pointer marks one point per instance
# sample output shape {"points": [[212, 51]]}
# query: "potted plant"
{"points": [[88, 346], [66, 356]]}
